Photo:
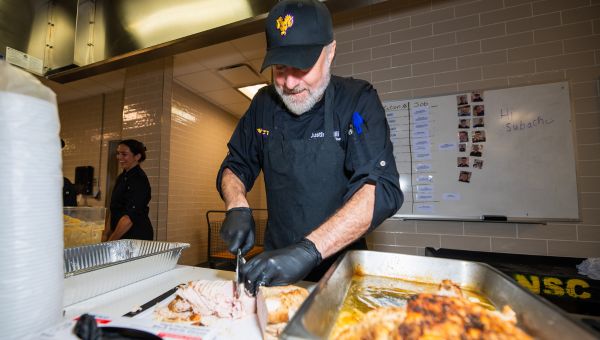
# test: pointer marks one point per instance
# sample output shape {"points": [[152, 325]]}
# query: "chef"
{"points": [[323, 144]]}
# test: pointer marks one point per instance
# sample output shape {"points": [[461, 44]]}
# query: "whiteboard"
{"points": [[517, 162]]}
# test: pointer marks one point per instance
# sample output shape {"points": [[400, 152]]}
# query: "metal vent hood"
{"points": [[78, 39], [38, 32]]}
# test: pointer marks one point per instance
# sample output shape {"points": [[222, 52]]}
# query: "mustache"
{"points": [[295, 90]]}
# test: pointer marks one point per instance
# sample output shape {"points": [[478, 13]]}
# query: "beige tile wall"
{"points": [[186, 138], [111, 131], [199, 135], [86, 127], [146, 111], [410, 49]]}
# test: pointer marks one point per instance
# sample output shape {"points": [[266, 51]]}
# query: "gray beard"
{"points": [[299, 107]]}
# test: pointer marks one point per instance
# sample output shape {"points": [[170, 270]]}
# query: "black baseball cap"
{"points": [[297, 31]]}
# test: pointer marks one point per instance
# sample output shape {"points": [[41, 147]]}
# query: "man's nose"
{"points": [[290, 77], [291, 81]]}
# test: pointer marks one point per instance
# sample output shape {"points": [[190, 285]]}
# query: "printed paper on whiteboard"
{"points": [[425, 188], [422, 156], [451, 196], [425, 179], [420, 111], [424, 197], [418, 141], [447, 147], [421, 126], [425, 208], [421, 148], [423, 167], [420, 133]]}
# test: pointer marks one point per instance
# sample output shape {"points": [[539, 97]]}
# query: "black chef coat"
{"points": [[130, 197], [69, 193], [359, 128]]}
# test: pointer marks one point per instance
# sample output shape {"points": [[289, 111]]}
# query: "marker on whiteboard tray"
{"points": [[493, 218]]}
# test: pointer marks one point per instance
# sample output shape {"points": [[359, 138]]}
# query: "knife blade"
{"points": [[239, 261]]}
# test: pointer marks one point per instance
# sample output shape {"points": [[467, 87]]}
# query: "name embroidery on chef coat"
{"points": [[321, 134]]}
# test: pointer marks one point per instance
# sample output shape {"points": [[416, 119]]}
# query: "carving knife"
{"points": [[239, 261]]}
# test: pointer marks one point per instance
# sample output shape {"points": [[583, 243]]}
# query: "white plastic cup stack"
{"points": [[31, 223]]}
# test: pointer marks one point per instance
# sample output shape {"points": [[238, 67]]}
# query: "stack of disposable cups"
{"points": [[31, 225]]}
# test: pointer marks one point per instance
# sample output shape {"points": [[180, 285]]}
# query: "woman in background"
{"points": [[130, 197]]}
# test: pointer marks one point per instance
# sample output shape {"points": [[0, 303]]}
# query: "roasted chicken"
{"points": [[444, 315]]}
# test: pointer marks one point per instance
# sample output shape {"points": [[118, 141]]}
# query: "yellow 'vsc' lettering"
{"points": [[552, 286], [533, 285], [572, 284]]}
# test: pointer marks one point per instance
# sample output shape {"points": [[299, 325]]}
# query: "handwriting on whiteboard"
{"points": [[520, 125], [539, 121]]}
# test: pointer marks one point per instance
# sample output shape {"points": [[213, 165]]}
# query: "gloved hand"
{"points": [[281, 266], [238, 230]]}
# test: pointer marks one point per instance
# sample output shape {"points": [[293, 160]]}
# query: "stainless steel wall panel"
{"points": [[42, 29], [119, 33]]}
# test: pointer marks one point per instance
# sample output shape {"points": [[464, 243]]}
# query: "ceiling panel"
{"points": [[203, 81], [256, 64], [184, 64], [252, 46], [226, 97], [241, 75]]}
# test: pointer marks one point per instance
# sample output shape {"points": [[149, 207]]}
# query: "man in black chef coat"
{"points": [[323, 144]]}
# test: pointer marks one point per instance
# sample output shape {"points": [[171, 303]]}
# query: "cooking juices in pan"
{"points": [[369, 292]]}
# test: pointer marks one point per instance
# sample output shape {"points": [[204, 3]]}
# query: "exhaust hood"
{"points": [[78, 39]]}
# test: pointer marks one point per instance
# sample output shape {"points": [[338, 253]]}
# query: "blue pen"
{"points": [[357, 121]]}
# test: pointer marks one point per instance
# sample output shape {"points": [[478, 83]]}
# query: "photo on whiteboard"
{"points": [[464, 123], [478, 110], [478, 122], [476, 96], [478, 136], [463, 136], [476, 150], [464, 176], [478, 164], [462, 99], [464, 111], [462, 162], [462, 147]]}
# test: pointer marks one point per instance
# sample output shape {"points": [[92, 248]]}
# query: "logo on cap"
{"points": [[284, 23]]}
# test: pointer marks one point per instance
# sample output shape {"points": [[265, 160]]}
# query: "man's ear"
{"points": [[331, 52]]}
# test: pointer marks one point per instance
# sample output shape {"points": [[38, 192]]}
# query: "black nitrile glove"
{"points": [[238, 230], [281, 267], [87, 329]]}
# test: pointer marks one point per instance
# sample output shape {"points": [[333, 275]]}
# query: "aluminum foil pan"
{"points": [[96, 269], [538, 317]]}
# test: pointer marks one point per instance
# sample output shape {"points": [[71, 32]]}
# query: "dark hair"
{"points": [[136, 147], [62, 143]]}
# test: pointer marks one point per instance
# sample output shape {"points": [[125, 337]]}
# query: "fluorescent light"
{"points": [[250, 91]]}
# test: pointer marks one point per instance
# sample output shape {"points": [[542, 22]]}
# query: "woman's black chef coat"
{"points": [[130, 197], [366, 156]]}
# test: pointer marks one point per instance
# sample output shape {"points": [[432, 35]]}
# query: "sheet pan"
{"points": [[535, 315], [96, 269]]}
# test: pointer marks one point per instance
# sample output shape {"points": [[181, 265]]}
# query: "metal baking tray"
{"points": [[536, 316], [96, 269]]}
